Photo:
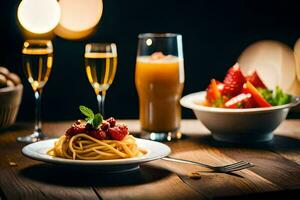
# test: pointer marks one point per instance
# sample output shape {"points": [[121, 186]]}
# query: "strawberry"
{"points": [[104, 125], [213, 91], [75, 129], [260, 101], [256, 81], [233, 82], [98, 134], [118, 132], [250, 103], [112, 122], [243, 100]]}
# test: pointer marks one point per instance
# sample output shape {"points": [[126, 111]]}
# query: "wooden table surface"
{"points": [[277, 170]]}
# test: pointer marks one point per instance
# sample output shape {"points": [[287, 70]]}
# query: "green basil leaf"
{"points": [[89, 121], [97, 120], [86, 111]]}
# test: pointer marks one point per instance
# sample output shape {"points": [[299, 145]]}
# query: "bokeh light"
{"points": [[72, 35], [297, 57], [274, 62], [78, 18], [39, 16]]}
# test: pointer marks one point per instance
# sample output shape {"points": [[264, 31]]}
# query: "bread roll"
{"points": [[2, 81], [4, 71], [14, 78], [10, 83], [8, 79]]}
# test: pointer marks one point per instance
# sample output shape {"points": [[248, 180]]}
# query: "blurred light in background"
{"points": [[78, 18], [39, 16], [297, 57], [274, 62], [72, 35]]}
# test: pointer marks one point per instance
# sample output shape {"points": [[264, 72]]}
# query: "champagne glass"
{"points": [[100, 67], [37, 64], [159, 80]]}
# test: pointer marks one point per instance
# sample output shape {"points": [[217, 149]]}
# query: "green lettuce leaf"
{"points": [[276, 97]]}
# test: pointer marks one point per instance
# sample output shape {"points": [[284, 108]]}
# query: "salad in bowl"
{"points": [[241, 109], [239, 91]]}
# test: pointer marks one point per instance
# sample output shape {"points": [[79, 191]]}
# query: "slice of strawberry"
{"points": [[255, 80], [250, 103], [260, 101], [233, 82], [240, 101]]}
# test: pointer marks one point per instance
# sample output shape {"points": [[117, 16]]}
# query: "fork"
{"points": [[224, 169]]}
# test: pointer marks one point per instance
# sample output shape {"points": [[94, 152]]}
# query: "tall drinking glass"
{"points": [[37, 64], [100, 67], [159, 79]]}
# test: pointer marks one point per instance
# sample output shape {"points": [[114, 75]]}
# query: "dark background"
{"points": [[214, 35]]}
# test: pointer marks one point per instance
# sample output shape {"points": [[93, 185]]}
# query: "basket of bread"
{"points": [[11, 91]]}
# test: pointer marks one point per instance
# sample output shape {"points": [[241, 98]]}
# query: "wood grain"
{"points": [[170, 187], [277, 170], [240, 182], [276, 162], [282, 155], [26, 181]]}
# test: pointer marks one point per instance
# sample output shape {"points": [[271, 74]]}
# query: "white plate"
{"points": [[155, 150], [273, 61]]}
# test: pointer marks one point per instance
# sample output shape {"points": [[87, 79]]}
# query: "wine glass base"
{"points": [[34, 137]]}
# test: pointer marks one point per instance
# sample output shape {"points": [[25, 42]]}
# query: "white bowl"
{"points": [[238, 125]]}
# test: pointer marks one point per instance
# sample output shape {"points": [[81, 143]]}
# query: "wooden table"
{"points": [[277, 170]]}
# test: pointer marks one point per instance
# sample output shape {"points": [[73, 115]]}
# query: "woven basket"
{"points": [[10, 100]]}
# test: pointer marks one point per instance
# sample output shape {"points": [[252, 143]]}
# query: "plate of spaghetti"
{"points": [[97, 142]]}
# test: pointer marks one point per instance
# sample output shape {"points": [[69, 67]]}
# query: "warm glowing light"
{"points": [[273, 61], [79, 18], [39, 16], [72, 35], [80, 15], [297, 57], [26, 44]]}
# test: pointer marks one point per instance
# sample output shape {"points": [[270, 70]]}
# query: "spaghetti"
{"points": [[96, 139], [85, 147]]}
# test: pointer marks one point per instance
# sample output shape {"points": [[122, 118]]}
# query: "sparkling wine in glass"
{"points": [[100, 67], [37, 64]]}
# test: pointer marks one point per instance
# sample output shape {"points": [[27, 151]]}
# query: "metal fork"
{"points": [[224, 169]]}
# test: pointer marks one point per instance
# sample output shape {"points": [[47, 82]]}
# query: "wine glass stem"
{"points": [[101, 100], [38, 122]]}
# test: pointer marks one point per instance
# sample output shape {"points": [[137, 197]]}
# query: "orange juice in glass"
{"points": [[159, 79]]}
